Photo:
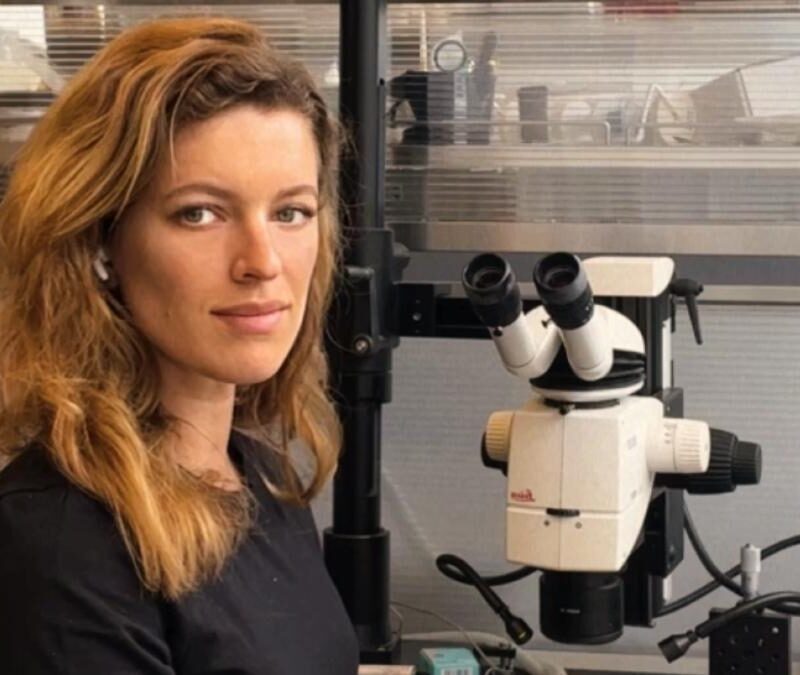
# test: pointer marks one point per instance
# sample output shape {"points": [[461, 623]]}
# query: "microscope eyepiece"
{"points": [[559, 271], [488, 278], [492, 288], [564, 290]]}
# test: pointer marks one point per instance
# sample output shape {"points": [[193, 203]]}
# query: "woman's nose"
{"points": [[257, 256]]}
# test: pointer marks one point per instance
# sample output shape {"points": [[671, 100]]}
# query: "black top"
{"points": [[71, 603]]}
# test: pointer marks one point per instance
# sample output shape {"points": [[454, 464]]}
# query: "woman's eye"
{"points": [[294, 215], [196, 215]]}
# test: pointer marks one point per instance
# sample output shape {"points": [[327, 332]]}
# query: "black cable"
{"points": [[710, 587], [474, 579], [453, 571], [734, 571], [768, 601], [517, 629], [702, 553], [677, 645], [719, 577]]}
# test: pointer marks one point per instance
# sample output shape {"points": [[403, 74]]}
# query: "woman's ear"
{"points": [[103, 268]]}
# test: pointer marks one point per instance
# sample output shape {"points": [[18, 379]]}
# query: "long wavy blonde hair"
{"points": [[76, 377]]}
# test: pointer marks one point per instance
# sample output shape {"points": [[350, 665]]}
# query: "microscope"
{"points": [[598, 458]]}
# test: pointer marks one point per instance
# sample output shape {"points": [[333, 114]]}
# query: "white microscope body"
{"points": [[579, 484], [582, 454]]}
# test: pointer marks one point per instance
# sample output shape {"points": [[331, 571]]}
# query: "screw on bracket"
{"points": [[362, 345]]}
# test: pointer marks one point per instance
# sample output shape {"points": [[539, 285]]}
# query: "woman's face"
{"points": [[215, 260]]}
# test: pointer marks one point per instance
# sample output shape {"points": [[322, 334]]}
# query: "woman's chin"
{"points": [[243, 375]]}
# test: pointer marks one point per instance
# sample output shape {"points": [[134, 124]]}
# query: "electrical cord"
{"points": [[397, 633], [718, 575], [517, 629], [677, 645], [698, 594], [702, 553], [453, 572]]}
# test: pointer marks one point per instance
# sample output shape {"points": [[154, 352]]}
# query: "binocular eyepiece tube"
{"points": [[493, 291], [563, 287], [492, 288]]}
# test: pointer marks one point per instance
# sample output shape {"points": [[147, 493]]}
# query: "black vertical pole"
{"points": [[361, 333], [362, 72]]}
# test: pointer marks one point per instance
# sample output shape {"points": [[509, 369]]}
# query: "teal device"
{"points": [[447, 661]]}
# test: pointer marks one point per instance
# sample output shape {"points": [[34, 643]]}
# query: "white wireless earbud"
{"points": [[99, 265]]}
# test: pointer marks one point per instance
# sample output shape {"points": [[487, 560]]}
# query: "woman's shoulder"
{"points": [[31, 479], [57, 542], [45, 519], [70, 589], [30, 471]]}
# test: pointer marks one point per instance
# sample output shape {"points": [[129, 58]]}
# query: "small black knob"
{"points": [[689, 289], [746, 465]]}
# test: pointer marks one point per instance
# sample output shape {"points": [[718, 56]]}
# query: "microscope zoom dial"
{"points": [[498, 435], [683, 446]]}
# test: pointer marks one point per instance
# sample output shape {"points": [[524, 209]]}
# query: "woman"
{"points": [[168, 241]]}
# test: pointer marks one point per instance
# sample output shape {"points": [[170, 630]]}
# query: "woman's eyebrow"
{"points": [[200, 187], [297, 190], [228, 194]]}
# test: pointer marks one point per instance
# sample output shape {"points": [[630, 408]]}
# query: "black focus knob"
{"points": [[733, 462], [746, 464]]}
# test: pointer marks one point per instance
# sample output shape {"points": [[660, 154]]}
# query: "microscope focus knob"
{"points": [[733, 462], [746, 464], [684, 446], [498, 435]]}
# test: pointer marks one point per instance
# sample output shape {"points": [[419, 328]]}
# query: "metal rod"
{"points": [[361, 339], [362, 104]]}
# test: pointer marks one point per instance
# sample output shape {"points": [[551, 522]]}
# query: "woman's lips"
{"points": [[256, 324]]}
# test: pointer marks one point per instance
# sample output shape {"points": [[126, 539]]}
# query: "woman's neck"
{"points": [[203, 412]]}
